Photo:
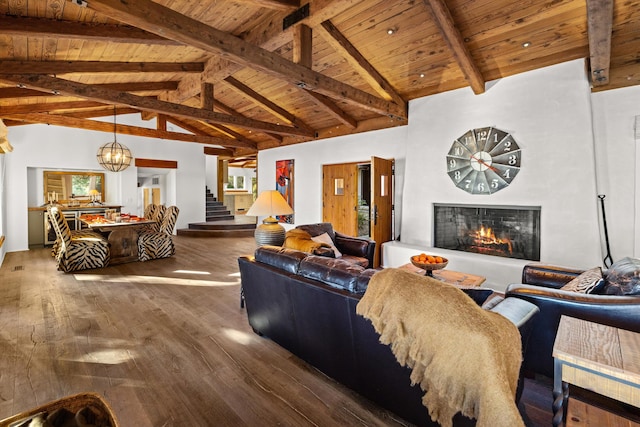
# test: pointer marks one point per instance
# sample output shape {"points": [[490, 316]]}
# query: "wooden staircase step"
{"points": [[215, 233], [222, 225]]}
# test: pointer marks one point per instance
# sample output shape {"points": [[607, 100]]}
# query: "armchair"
{"points": [[541, 286], [159, 244], [79, 251], [357, 250]]}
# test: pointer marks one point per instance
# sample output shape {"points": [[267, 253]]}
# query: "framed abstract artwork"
{"points": [[284, 185]]}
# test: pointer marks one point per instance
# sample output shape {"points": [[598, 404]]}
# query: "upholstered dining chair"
{"points": [[158, 215], [80, 251], [149, 211], [159, 244]]}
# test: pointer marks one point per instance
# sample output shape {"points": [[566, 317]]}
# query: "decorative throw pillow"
{"points": [[623, 277], [301, 240], [325, 238], [588, 282]]}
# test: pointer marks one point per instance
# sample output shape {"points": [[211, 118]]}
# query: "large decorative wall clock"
{"points": [[483, 160]]}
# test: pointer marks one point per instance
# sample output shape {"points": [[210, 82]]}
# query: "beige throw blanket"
{"points": [[466, 359]]}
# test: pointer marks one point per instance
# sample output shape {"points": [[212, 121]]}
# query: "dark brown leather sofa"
{"points": [[307, 304], [541, 286]]}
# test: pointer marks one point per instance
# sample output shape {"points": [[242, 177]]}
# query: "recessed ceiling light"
{"points": [[421, 75], [391, 31], [526, 44]]}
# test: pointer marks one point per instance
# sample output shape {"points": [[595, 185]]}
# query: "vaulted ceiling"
{"points": [[246, 75]]}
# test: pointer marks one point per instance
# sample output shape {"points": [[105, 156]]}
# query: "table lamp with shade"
{"points": [[270, 203]]}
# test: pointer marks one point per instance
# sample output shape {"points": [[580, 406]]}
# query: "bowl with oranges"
{"points": [[429, 262]]}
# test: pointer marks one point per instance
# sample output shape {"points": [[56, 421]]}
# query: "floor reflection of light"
{"points": [[154, 280], [192, 272], [238, 336], [107, 357], [235, 274]]}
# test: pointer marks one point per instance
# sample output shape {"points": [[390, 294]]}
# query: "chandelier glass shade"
{"points": [[114, 156]]}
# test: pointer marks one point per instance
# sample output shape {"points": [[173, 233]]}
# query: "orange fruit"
{"points": [[439, 260], [430, 259]]}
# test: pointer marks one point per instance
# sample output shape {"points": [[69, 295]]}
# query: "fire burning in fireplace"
{"points": [[485, 241], [505, 231]]}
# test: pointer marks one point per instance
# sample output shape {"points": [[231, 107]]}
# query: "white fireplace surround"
{"points": [[499, 271]]}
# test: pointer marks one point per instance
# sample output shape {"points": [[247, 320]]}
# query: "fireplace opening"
{"points": [[506, 231]]}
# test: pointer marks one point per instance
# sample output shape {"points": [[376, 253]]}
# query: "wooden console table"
{"points": [[600, 358], [463, 280], [122, 236]]}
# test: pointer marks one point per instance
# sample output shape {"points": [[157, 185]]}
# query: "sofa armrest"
{"points": [[618, 311], [548, 275], [356, 246]]}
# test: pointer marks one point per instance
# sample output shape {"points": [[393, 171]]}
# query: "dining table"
{"points": [[122, 234]]}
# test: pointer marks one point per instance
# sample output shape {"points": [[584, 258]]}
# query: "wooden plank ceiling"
{"points": [[229, 74]]}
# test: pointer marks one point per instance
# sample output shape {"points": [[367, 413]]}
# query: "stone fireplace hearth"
{"points": [[504, 231]]}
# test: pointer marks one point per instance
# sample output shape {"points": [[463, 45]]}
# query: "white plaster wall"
{"points": [[53, 147], [548, 113], [211, 179], [309, 158], [614, 113]]}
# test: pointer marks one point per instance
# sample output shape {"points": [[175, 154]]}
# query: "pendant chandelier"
{"points": [[114, 156]]}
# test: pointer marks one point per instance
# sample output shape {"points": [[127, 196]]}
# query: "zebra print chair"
{"points": [[159, 244], [158, 215], [80, 251]]}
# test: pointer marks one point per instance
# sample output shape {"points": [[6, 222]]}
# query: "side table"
{"points": [[463, 280], [600, 358]]}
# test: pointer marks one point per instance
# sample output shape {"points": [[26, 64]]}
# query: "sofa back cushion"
{"points": [[333, 272], [318, 229], [279, 257]]}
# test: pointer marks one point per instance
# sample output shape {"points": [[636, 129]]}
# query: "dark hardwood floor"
{"points": [[166, 343]]}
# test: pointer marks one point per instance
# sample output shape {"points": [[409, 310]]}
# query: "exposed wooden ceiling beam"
{"points": [[159, 19], [332, 108], [58, 120], [47, 106], [230, 133], [338, 41], [37, 27], [266, 34], [62, 67], [302, 54], [286, 5], [600, 25], [217, 151], [454, 40], [270, 106], [108, 96], [17, 92], [226, 109], [105, 111]]}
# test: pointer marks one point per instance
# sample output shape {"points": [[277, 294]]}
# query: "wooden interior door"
{"points": [[146, 197], [381, 204], [340, 197], [155, 195]]}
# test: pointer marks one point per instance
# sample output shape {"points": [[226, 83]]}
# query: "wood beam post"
{"points": [[303, 46], [206, 96], [600, 25]]}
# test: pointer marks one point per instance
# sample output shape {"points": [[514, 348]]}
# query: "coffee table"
{"points": [[462, 280], [600, 358]]}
